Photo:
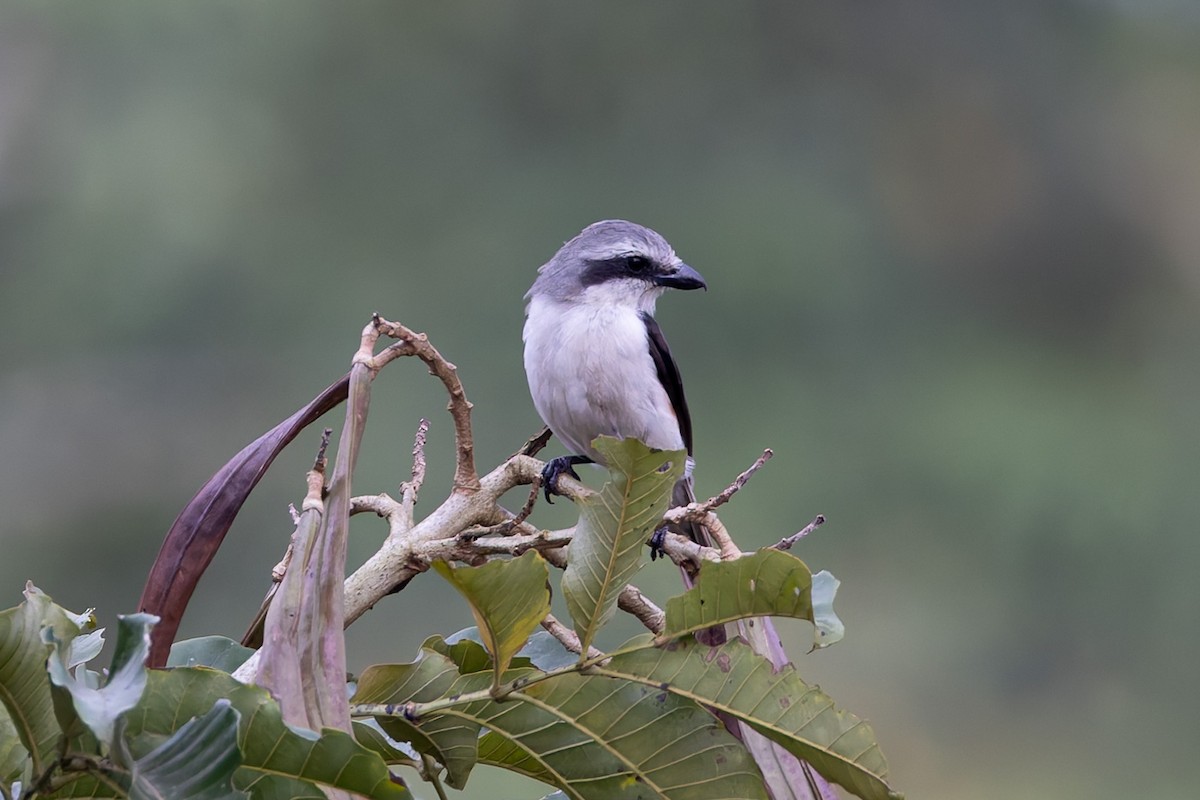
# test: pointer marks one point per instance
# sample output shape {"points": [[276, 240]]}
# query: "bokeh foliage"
{"points": [[953, 267]]}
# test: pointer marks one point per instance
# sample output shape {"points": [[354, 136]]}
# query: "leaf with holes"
{"points": [[769, 583], [734, 680], [589, 735]]}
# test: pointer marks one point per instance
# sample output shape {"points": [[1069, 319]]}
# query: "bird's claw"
{"points": [[656, 543], [554, 469]]}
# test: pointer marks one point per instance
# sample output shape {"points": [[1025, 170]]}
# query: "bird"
{"points": [[596, 360], [597, 363]]}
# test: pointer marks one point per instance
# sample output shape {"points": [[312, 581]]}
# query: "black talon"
{"points": [[556, 467], [656, 543]]}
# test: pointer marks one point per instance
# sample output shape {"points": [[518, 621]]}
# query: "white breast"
{"points": [[590, 373]]}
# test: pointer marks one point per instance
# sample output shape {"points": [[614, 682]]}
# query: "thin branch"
{"points": [[535, 443], [382, 505], [697, 512], [729, 491], [412, 487], [567, 637], [412, 343], [701, 513], [468, 549], [385, 506], [506, 527], [429, 771], [319, 462], [632, 601], [786, 542], [682, 549]]}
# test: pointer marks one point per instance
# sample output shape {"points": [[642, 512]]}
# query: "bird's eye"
{"points": [[637, 264]]}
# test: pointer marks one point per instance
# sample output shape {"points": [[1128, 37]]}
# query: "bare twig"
{"points": [[702, 512], [567, 637], [632, 601], [740, 481], [412, 487], [506, 527], [417, 344], [511, 544], [698, 512], [535, 443], [319, 462], [315, 479], [786, 542], [682, 549], [720, 534]]}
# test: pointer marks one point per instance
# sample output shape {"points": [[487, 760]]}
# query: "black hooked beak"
{"points": [[684, 277]]}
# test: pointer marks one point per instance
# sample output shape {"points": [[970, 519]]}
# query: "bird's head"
{"points": [[615, 262]]}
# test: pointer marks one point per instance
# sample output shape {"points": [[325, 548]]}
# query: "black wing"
{"points": [[668, 376]]}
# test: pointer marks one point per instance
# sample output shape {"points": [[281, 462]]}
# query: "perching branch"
{"points": [[786, 542], [506, 528], [470, 526], [567, 637], [729, 491]]}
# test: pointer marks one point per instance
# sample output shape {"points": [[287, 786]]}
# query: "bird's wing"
{"points": [[668, 376]]}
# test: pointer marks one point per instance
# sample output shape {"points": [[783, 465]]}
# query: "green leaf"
{"points": [[24, 686], [451, 741], [614, 525], [218, 652], [736, 681], [830, 629], [100, 708], [196, 763], [277, 760], [465, 648], [596, 737], [12, 755], [508, 599], [546, 653], [370, 735], [497, 750], [591, 736], [766, 583]]}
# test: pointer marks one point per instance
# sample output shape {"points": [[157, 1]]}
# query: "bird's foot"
{"points": [[554, 468], [656, 543]]}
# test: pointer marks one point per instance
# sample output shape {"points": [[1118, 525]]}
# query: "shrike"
{"points": [[597, 364], [596, 360]]}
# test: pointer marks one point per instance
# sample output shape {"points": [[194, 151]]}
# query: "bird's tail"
{"points": [[684, 493]]}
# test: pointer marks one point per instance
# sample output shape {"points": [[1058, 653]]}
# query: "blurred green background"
{"points": [[953, 252]]}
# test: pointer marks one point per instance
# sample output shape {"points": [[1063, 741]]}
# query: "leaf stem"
{"points": [[429, 771]]}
